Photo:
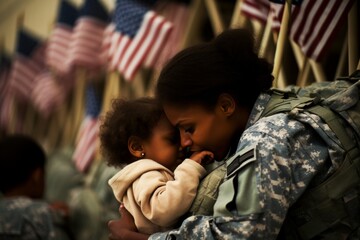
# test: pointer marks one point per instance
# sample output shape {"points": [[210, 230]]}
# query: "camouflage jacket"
{"points": [[281, 156], [26, 219]]}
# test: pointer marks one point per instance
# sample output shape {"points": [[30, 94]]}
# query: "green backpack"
{"points": [[330, 210]]}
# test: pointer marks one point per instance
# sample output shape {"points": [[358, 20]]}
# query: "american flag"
{"points": [[139, 36], [5, 97], [313, 23], [57, 51], [86, 43], [47, 94], [87, 138], [5, 66], [106, 46], [27, 64], [256, 9], [294, 2], [177, 12]]}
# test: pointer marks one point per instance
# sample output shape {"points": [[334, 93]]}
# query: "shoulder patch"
{"points": [[239, 160]]}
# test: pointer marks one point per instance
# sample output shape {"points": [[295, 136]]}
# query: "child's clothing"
{"points": [[155, 196]]}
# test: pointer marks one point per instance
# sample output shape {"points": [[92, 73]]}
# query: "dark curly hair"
{"points": [[127, 118]]}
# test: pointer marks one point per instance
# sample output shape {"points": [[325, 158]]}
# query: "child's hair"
{"points": [[127, 118], [20, 156]]}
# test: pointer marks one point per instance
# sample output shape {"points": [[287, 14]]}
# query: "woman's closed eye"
{"points": [[189, 129]]}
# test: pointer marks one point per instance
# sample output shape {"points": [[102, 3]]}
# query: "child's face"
{"points": [[163, 146]]}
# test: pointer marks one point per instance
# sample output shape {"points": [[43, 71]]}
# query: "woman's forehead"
{"points": [[179, 114]]}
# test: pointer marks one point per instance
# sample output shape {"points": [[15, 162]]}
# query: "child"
{"points": [[155, 186], [23, 212]]}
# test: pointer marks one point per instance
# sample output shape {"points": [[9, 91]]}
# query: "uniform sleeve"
{"points": [[254, 200], [39, 220], [163, 201]]}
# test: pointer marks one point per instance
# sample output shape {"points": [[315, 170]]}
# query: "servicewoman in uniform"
{"points": [[214, 94]]}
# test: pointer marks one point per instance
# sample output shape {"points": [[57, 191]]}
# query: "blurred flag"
{"points": [[139, 36], [106, 46], [27, 64], [5, 97], [47, 94], [87, 138], [57, 51], [256, 9], [5, 67], [314, 24], [86, 43], [294, 2], [178, 13]]}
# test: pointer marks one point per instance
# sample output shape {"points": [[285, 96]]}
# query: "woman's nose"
{"points": [[185, 140]]}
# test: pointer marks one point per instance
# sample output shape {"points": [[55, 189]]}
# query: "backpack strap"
{"points": [[206, 196], [331, 205], [285, 101], [332, 120]]}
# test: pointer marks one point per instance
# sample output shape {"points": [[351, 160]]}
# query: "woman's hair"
{"points": [[127, 118], [20, 156], [227, 64]]}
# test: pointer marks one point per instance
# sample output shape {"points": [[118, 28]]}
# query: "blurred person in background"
{"points": [[24, 214]]}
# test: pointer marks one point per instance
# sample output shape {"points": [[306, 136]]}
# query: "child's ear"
{"points": [[135, 146]]}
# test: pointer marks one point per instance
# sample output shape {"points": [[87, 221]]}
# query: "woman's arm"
{"points": [[124, 228]]}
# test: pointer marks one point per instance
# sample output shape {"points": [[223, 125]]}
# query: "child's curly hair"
{"points": [[127, 118]]}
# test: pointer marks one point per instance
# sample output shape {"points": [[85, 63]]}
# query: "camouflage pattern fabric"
{"points": [[26, 219], [290, 153]]}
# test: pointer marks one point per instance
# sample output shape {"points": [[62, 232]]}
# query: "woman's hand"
{"points": [[124, 228]]}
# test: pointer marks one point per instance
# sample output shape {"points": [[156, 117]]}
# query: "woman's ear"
{"points": [[226, 103], [135, 146]]}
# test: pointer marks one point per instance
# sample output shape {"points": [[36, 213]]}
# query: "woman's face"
{"points": [[202, 129]]}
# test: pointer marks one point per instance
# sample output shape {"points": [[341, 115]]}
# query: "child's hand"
{"points": [[203, 157]]}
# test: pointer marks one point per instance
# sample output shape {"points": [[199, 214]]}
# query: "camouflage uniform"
{"points": [[26, 219], [277, 158]]}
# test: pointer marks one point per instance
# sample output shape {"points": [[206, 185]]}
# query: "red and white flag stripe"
{"points": [[256, 9], [314, 23], [57, 54], [85, 48], [128, 55], [142, 42], [47, 94], [23, 76], [178, 14], [87, 143]]}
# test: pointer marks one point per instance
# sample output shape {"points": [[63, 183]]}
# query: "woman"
{"points": [[214, 94]]}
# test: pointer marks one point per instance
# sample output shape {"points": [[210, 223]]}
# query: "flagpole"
{"points": [[13, 115], [283, 34], [215, 17], [196, 14], [340, 69], [352, 33], [237, 20], [66, 115], [265, 40], [79, 101], [111, 91]]}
